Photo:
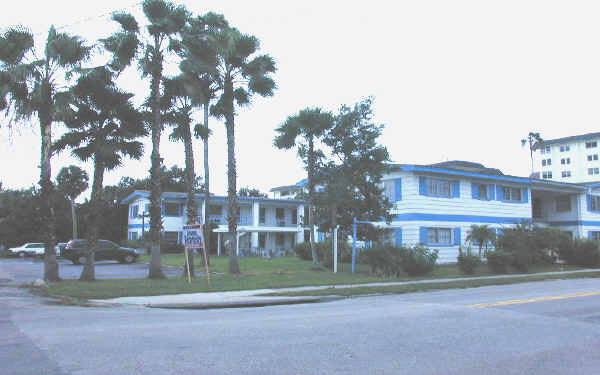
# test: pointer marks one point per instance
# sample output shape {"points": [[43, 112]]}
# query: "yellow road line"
{"points": [[537, 299]]}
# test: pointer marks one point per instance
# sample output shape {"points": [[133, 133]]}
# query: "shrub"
{"points": [[499, 260], [325, 250], [418, 260], [303, 251], [383, 259], [171, 247], [468, 263], [581, 252]]}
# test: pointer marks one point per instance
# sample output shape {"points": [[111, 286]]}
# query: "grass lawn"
{"points": [[258, 273]]}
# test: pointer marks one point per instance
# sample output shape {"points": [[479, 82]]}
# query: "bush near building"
{"points": [[393, 261], [580, 252]]}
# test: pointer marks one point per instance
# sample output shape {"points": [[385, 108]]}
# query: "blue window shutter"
{"points": [[422, 186], [524, 195], [491, 192], [398, 189], [589, 202], [590, 235], [456, 189], [423, 235], [180, 237], [398, 237], [320, 236], [181, 206], [474, 190], [457, 239], [499, 193]]}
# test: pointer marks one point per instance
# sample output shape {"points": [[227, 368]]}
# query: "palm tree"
{"points": [[238, 75], [179, 107], [166, 21], [103, 126], [303, 130], [481, 235], [534, 140], [30, 86], [72, 181], [198, 40]]}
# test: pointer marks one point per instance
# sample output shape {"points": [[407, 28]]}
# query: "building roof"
{"points": [[176, 195], [582, 137], [298, 185], [468, 166]]}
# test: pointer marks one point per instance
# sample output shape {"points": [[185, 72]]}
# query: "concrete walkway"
{"points": [[248, 298]]}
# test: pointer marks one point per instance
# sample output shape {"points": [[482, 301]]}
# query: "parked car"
{"points": [[76, 252], [28, 249], [59, 248]]}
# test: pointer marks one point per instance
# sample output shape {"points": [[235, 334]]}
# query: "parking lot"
{"points": [[22, 270]]}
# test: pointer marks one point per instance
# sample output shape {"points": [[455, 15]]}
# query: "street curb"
{"points": [[246, 302]]}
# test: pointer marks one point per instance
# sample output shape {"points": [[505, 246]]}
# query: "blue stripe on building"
{"points": [[416, 216]]}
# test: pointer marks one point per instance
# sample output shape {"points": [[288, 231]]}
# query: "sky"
{"points": [[452, 80]]}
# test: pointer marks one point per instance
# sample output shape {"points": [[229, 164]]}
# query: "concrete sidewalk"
{"points": [[252, 298]]}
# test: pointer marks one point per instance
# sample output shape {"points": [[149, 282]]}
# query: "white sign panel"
{"points": [[192, 236]]}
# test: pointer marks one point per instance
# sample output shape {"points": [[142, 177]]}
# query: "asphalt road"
{"points": [[29, 269], [541, 328]]}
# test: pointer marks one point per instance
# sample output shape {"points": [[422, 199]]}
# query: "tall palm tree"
{"points": [[198, 40], [303, 130], [179, 105], [72, 181], [30, 85], [103, 125], [238, 75], [481, 235], [534, 140], [165, 22]]}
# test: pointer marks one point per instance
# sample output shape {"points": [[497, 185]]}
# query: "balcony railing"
{"points": [[222, 220], [277, 223]]}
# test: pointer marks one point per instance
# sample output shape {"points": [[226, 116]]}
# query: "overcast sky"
{"points": [[462, 80]]}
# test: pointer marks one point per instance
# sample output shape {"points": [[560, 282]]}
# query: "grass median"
{"points": [[257, 273]]}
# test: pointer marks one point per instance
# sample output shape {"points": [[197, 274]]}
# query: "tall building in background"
{"points": [[570, 159]]}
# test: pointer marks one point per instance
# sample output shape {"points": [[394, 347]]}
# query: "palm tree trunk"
{"points": [[206, 187], [190, 179], [47, 211], [311, 191], [89, 269], [234, 264], [74, 218], [155, 199]]}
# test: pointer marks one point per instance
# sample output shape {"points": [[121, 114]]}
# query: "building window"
{"points": [[133, 236], [591, 144], [565, 161], [592, 171], [594, 236], [565, 148], [438, 188], [294, 216], [214, 210], [563, 204], [566, 173], [147, 208], [594, 203], [262, 215], [262, 240], [439, 236], [133, 211], [511, 194], [280, 216], [545, 150], [172, 209], [546, 175], [388, 190], [593, 157], [546, 162], [171, 237], [483, 191]]}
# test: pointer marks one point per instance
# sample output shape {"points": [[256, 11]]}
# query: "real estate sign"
{"points": [[192, 236]]}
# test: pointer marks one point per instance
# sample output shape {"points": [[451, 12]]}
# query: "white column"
{"points": [[255, 223], [203, 210], [219, 243], [299, 218]]}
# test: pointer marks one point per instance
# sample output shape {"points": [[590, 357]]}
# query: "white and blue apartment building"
{"points": [[436, 204], [265, 226]]}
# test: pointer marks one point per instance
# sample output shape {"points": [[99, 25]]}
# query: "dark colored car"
{"points": [[76, 252]]}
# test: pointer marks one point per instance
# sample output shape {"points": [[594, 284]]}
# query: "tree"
{"points": [[534, 140], [238, 75], [303, 131], [166, 21], [30, 86], [72, 181], [352, 177], [481, 235], [198, 40], [103, 125], [248, 192]]}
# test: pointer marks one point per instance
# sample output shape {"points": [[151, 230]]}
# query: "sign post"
{"points": [[193, 238]]}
